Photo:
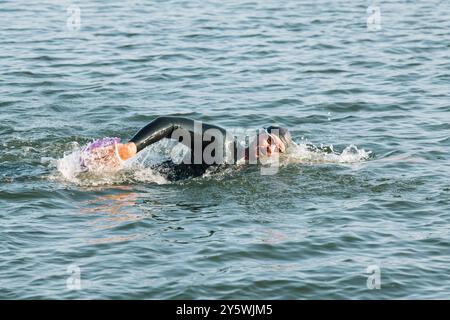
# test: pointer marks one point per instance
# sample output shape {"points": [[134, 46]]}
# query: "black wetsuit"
{"points": [[200, 138]]}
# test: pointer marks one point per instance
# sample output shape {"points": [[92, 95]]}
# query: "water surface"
{"points": [[310, 231]]}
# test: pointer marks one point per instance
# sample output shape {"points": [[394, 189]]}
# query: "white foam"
{"points": [[69, 166], [304, 153], [71, 170]]}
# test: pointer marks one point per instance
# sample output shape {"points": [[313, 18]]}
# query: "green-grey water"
{"points": [[379, 96]]}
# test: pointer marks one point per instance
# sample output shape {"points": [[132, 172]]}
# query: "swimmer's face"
{"points": [[268, 145]]}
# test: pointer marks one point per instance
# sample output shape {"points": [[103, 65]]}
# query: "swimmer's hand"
{"points": [[108, 156], [126, 150]]}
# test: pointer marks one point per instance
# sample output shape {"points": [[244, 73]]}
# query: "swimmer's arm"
{"points": [[158, 129]]}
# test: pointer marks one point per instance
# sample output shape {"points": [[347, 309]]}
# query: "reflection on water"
{"points": [[113, 210], [141, 215]]}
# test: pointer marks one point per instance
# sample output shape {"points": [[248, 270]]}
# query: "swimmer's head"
{"points": [[271, 141], [282, 133]]}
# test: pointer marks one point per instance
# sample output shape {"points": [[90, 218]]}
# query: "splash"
{"points": [[97, 155], [308, 153], [77, 166], [82, 166]]}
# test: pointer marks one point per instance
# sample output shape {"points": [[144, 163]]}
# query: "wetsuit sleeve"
{"points": [[163, 127]]}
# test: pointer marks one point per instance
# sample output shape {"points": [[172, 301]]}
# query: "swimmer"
{"points": [[198, 137]]}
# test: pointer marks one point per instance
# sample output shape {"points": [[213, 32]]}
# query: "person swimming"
{"points": [[209, 145]]}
